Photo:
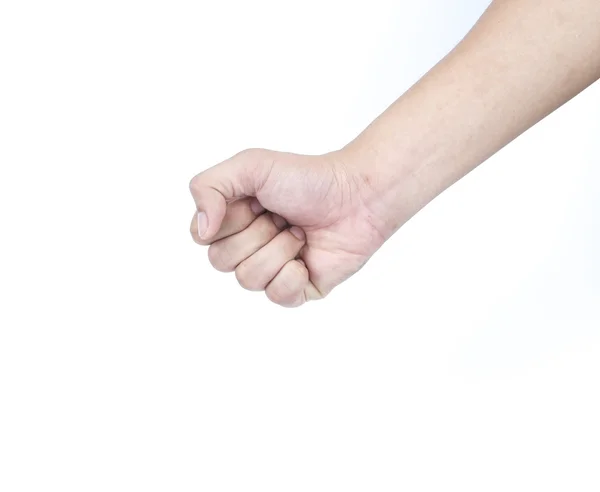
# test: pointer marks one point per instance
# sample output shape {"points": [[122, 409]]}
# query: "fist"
{"points": [[294, 226]]}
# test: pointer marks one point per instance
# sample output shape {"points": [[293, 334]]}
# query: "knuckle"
{"points": [[294, 275], [283, 298], [265, 227], [194, 184], [220, 258], [278, 296], [246, 278], [287, 290], [251, 153], [275, 296], [299, 270]]}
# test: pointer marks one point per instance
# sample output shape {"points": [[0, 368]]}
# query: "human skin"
{"points": [[297, 226]]}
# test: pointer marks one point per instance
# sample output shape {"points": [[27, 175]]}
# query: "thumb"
{"points": [[240, 176]]}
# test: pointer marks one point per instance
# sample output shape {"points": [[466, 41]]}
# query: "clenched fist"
{"points": [[293, 225]]}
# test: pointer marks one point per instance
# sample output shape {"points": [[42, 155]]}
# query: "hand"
{"points": [[293, 225]]}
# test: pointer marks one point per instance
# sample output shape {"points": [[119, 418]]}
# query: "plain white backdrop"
{"points": [[464, 356]]}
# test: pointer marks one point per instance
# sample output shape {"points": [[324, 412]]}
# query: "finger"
{"points": [[311, 293], [239, 215], [237, 177], [225, 255], [259, 269], [292, 287], [289, 286]]}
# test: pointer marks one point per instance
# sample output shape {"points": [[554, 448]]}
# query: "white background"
{"points": [[464, 356]]}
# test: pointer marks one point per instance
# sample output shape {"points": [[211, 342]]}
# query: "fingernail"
{"points": [[279, 221], [202, 224], [298, 233], [256, 207]]}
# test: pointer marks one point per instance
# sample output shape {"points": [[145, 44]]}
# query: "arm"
{"points": [[521, 61], [300, 225]]}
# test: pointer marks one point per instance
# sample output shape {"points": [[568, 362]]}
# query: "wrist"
{"points": [[393, 184]]}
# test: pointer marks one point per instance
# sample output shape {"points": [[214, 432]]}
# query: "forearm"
{"points": [[522, 60]]}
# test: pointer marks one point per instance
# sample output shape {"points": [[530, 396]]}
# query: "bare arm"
{"points": [[521, 61]]}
